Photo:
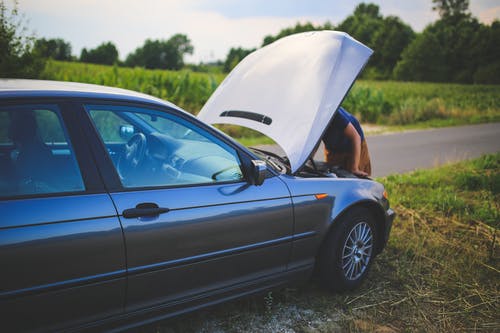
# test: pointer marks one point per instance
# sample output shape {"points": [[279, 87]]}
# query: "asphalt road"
{"points": [[424, 149]]}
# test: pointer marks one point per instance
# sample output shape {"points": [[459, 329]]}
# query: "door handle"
{"points": [[144, 209]]}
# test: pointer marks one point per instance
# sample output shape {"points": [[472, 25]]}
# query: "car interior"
{"points": [[150, 150]]}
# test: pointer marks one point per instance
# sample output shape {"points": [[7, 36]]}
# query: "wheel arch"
{"points": [[375, 209]]}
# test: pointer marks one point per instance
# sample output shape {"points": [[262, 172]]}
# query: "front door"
{"points": [[192, 222]]}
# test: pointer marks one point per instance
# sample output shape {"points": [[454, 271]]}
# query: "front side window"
{"points": [[153, 148], [36, 156]]}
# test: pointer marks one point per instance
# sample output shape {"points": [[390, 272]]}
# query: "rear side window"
{"points": [[36, 156]]}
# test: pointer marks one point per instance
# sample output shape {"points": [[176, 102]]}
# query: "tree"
{"points": [[422, 60], [56, 49], [164, 54], [388, 42], [456, 48], [451, 8], [105, 54], [181, 45], [363, 23], [488, 55], [17, 58], [234, 56], [388, 37]]}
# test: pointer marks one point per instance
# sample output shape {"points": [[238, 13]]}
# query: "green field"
{"points": [[393, 104], [187, 89], [439, 272]]}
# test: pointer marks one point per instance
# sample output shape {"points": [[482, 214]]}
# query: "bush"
{"points": [[488, 74], [417, 109]]}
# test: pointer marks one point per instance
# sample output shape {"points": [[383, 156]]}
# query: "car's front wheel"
{"points": [[348, 251]]}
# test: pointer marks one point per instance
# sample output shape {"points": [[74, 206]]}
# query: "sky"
{"points": [[213, 26]]}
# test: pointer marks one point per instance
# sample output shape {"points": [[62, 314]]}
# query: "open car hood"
{"points": [[289, 90]]}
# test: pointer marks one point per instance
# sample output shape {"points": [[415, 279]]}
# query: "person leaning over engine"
{"points": [[345, 144]]}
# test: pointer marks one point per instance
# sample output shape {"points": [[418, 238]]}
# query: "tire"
{"points": [[348, 251]]}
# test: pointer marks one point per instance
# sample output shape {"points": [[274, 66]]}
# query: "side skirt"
{"points": [[164, 311]]}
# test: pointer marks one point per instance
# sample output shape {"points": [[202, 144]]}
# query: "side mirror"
{"points": [[259, 172], [126, 132]]}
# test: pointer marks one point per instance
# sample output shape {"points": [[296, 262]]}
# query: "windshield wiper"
{"points": [[269, 158]]}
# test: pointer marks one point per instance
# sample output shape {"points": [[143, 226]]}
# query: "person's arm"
{"points": [[355, 138]]}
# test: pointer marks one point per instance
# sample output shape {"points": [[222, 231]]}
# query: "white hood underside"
{"points": [[289, 90]]}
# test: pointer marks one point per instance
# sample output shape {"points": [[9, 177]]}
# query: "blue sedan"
{"points": [[119, 209]]}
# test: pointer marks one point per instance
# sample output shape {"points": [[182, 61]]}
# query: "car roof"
{"points": [[22, 88]]}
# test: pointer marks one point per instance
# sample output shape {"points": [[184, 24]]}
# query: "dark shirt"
{"points": [[334, 138]]}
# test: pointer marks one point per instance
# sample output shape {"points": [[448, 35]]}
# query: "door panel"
{"points": [[54, 249], [213, 236]]}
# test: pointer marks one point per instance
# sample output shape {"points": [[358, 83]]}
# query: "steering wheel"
{"points": [[135, 151]]}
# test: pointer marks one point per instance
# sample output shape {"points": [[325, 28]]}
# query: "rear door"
{"points": [[193, 224], [61, 245]]}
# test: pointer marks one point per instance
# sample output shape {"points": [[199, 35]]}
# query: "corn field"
{"points": [[380, 102]]}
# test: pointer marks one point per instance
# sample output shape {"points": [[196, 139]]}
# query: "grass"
{"points": [[395, 105], [440, 271]]}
